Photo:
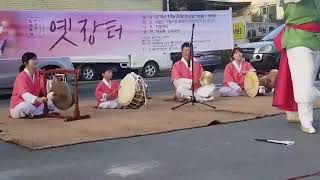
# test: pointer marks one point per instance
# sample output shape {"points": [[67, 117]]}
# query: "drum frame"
{"points": [[138, 95]]}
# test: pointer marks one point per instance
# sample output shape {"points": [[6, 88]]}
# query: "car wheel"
{"points": [[88, 73], [150, 70]]}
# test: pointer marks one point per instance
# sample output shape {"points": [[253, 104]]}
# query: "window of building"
{"points": [[272, 12], [269, 11]]}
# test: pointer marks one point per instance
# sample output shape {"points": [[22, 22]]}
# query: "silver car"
{"points": [[9, 69]]}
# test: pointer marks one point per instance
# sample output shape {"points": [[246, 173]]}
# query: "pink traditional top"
{"points": [[180, 69], [108, 87], [25, 84], [235, 73]]}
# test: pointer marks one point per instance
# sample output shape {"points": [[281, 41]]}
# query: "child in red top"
{"points": [[107, 91]]}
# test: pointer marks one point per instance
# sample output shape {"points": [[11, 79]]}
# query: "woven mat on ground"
{"points": [[157, 117]]}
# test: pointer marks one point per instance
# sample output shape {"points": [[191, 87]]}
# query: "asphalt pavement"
{"points": [[220, 152]]}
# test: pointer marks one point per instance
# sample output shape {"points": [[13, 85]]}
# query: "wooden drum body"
{"points": [[259, 86], [132, 92]]}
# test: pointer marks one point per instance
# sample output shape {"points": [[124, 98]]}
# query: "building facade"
{"points": [[266, 10], [260, 10]]}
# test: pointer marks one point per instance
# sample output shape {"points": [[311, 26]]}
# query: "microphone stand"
{"points": [[193, 99]]}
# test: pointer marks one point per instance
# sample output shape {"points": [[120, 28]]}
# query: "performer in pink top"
{"points": [[234, 73], [3, 36], [107, 91], [26, 99], [181, 77]]}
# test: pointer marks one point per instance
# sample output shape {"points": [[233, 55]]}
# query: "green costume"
{"points": [[302, 12]]}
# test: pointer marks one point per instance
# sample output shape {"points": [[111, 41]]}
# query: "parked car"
{"points": [[208, 59], [263, 54], [9, 69], [146, 64]]}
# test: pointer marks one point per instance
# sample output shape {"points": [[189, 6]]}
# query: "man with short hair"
{"points": [[181, 76]]}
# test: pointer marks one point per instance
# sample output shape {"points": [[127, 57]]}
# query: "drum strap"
{"points": [[144, 86]]}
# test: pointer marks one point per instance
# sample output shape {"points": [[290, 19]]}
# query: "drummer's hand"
{"points": [[51, 95], [41, 99], [105, 96]]}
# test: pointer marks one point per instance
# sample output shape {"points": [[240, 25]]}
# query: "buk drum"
{"points": [[255, 85], [133, 91]]}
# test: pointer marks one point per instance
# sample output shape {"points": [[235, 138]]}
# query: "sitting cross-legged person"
{"points": [[181, 76], [107, 91], [234, 74], [26, 100]]}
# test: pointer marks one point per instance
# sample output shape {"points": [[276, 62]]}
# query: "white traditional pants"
{"points": [[183, 90], [228, 92], [109, 104], [24, 109], [304, 65]]}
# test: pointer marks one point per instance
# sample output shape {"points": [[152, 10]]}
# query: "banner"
{"points": [[83, 33], [259, 29], [238, 31]]}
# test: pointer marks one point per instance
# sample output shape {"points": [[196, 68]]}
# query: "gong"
{"points": [[63, 96]]}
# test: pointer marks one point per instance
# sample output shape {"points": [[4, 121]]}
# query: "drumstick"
{"points": [[114, 91], [248, 89]]}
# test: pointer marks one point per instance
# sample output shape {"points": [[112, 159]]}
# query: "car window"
{"points": [[273, 34]]}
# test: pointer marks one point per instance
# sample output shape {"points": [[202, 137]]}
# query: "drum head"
{"points": [[251, 84], [127, 90]]}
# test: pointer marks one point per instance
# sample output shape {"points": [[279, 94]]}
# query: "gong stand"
{"points": [[76, 114]]}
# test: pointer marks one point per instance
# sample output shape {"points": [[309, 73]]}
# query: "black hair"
{"points": [[108, 69], [25, 59], [186, 44], [234, 51]]}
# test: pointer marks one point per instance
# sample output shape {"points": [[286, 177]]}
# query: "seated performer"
{"points": [[107, 91], [3, 36], [26, 99], [181, 76], [234, 73]]}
